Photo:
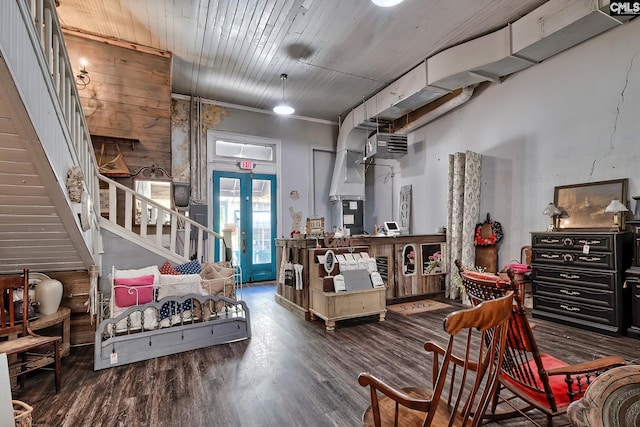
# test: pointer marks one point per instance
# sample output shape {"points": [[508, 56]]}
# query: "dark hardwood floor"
{"points": [[290, 373]]}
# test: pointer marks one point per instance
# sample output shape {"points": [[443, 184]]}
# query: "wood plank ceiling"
{"points": [[337, 53]]}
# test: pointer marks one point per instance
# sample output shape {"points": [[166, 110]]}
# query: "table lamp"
{"points": [[551, 211], [618, 220]]}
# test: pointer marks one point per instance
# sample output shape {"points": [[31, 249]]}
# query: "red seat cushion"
{"points": [[557, 383], [492, 278]]}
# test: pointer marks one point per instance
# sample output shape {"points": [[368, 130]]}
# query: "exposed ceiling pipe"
{"points": [[451, 104]]}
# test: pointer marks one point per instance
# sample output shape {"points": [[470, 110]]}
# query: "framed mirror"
{"points": [[156, 184], [329, 261], [409, 260]]}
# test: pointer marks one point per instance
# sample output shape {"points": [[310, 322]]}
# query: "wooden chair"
{"points": [[462, 387], [534, 380], [29, 350]]}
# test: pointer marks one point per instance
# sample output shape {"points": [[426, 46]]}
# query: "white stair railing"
{"points": [[184, 239], [48, 33]]}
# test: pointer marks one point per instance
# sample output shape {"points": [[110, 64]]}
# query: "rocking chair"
{"points": [[462, 387], [535, 380]]}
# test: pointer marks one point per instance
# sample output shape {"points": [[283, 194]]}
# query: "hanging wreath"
{"points": [[496, 234]]}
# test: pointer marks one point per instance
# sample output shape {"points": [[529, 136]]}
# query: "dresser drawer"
{"points": [[595, 279], [574, 241], [600, 297], [591, 313], [603, 260]]}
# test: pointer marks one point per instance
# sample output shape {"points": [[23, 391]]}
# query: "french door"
{"points": [[245, 203]]}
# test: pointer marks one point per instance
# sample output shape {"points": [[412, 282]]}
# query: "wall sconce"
{"points": [[552, 212], [618, 220], [82, 78]]}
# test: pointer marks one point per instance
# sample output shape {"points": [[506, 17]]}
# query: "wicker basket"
{"points": [[22, 413]]}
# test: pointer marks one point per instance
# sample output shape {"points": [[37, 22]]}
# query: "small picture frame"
{"points": [[315, 226]]}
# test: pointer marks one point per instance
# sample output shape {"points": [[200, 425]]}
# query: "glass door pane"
{"points": [[262, 232], [229, 216], [245, 204]]}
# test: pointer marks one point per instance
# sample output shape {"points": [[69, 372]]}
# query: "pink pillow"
{"points": [[134, 291], [168, 269]]}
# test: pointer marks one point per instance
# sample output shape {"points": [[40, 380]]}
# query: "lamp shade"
{"points": [[284, 109], [616, 206], [386, 3], [551, 210]]}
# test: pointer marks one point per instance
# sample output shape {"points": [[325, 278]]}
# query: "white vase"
{"points": [[49, 295]]}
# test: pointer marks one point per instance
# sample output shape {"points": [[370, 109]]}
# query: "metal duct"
{"points": [[552, 28]]}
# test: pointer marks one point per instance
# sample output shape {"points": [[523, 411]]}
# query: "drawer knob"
{"points": [[570, 293], [590, 259], [567, 241], [569, 276], [568, 257], [569, 308]]}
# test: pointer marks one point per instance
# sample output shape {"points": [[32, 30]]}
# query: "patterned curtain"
{"points": [[462, 212]]}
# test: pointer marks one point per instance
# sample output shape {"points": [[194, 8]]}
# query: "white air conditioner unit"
{"points": [[386, 146]]}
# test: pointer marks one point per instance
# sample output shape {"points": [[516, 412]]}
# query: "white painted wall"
{"points": [[297, 137], [573, 118]]}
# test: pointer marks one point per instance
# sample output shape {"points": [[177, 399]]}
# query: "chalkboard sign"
{"points": [[382, 262]]}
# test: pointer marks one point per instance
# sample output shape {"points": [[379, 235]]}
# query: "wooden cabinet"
{"points": [[60, 319], [632, 284], [578, 278], [333, 306], [76, 286], [405, 279]]}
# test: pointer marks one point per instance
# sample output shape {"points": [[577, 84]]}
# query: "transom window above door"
{"points": [[242, 150]]}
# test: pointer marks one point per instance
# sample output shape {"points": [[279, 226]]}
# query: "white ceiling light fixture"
{"points": [[386, 3], [283, 108]]}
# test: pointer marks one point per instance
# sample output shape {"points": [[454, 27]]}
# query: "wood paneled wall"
{"points": [[129, 96]]}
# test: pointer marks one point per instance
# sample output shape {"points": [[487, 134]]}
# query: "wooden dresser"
{"points": [[578, 278]]}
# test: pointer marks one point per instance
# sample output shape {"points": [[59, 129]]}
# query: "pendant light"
{"points": [[283, 108], [386, 3]]}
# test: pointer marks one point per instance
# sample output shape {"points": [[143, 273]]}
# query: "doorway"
{"points": [[245, 204]]}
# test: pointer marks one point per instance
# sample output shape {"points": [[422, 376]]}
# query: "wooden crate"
{"points": [[82, 330], [76, 286]]}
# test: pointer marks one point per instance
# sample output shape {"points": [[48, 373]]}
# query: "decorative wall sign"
{"points": [[405, 208], [315, 226]]}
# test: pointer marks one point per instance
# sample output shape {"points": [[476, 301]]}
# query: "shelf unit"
{"points": [[334, 306]]}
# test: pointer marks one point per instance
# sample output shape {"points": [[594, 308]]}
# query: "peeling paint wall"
{"points": [[180, 137]]}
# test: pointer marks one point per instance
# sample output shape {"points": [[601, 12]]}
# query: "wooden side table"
{"points": [[62, 316]]}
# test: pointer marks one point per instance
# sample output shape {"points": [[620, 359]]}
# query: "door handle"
{"points": [[244, 246]]}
